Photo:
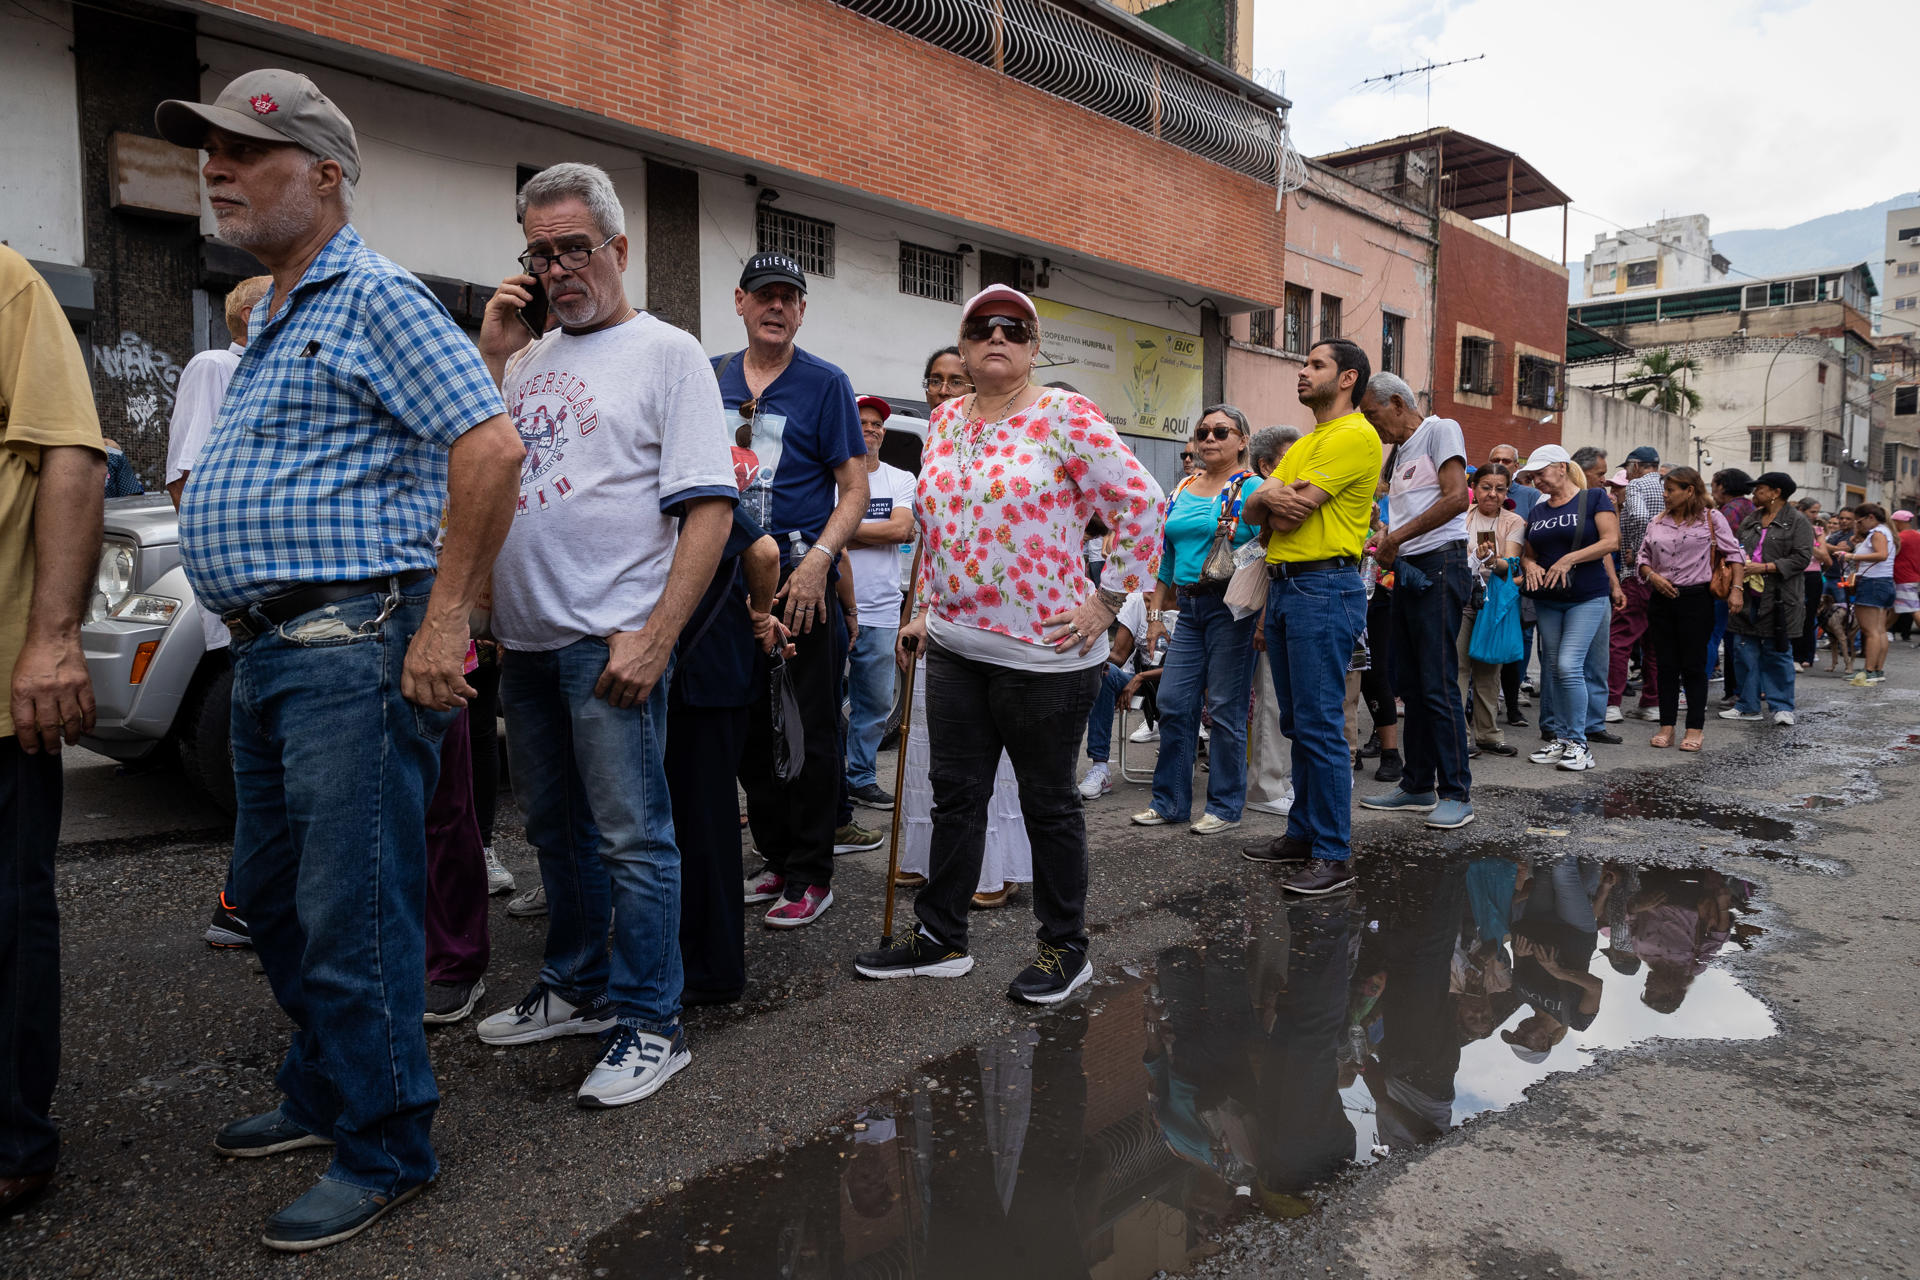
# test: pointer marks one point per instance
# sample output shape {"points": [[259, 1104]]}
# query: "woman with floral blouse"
{"points": [[1015, 634]]}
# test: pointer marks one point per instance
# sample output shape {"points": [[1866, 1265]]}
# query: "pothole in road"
{"points": [[1229, 1077]]}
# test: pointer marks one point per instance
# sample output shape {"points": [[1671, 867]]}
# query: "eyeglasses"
{"points": [[980, 328], [1212, 433], [538, 264], [1186, 456], [955, 383]]}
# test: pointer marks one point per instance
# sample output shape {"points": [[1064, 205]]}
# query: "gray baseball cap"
{"points": [[272, 106]]}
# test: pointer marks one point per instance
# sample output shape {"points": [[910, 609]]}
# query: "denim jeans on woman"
{"points": [[1766, 671], [1313, 622], [1573, 665], [332, 772], [591, 780], [871, 680], [1211, 656], [976, 710]]}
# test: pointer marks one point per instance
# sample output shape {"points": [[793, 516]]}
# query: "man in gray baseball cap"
{"points": [[269, 105]]}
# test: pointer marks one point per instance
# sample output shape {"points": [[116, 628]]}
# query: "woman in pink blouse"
{"points": [[1676, 560], [1015, 634]]}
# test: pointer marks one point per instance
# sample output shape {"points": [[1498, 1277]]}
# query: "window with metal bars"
{"points": [[1760, 447], [1260, 328], [1539, 383], [808, 241], [1797, 447], [929, 273], [1329, 317], [1294, 337], [1393, 341], [1830, 450], [1478, 374]]}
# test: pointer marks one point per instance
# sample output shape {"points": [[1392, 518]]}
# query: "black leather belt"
{"points": [[1201, 589], [250, 620], [1295, 568]]}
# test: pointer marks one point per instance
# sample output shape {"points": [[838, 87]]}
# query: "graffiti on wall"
{"points": [[148, 376]]}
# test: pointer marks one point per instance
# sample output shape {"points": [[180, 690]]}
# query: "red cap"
{"points": [[1000, 293], [875, 403]]}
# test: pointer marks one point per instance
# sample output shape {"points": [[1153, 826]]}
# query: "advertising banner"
{"points": [[1146, 380]]}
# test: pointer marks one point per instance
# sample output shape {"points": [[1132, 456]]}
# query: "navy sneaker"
{"points": [[329, 1213], [265, 1135]]}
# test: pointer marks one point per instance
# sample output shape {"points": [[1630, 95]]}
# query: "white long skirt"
{"points": [[1009, 858]]}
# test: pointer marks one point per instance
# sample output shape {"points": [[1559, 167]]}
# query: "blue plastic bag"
{"points": [[1496, 636]]}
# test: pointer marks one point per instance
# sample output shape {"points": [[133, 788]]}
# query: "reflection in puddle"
{"points": [[1234, 1076]]}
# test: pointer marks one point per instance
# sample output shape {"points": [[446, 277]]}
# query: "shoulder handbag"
{"points": [[1725, 572], [1219, 567]]}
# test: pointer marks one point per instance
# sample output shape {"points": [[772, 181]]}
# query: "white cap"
{"points": [[1000, 293], [1542, 455]]}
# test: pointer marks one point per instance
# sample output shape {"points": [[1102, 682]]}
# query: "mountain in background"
{"points": [[1831, 240]]}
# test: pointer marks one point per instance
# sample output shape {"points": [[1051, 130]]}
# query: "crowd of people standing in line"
{"points": [[630, 544]]}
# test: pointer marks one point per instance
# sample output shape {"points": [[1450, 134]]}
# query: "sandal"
{"points": [[1691, 743], [1664, 738]]}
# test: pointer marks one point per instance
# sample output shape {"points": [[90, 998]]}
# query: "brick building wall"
{"points": [[792, 83], [1490, 287]]}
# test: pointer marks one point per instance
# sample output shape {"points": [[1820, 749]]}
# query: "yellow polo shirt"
{"points": [[1341, 456]]}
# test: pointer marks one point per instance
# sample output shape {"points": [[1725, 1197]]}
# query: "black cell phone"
{"points": [[534, 314]]}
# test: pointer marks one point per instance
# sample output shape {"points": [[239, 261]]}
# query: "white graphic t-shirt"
{"points": [[622, 428], [1415, 483], [877, 570]]}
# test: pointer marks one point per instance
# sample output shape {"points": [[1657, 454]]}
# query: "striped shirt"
{"points": [[329, 459]]}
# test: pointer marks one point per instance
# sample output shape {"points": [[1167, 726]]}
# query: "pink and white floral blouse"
{"points": [[1002, 516]]}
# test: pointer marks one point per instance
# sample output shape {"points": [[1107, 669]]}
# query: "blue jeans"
{"points": [[591, 780], [1426, 669], [1766, 671], [1212, 655], [332, 773], [870, 688], [1313, 622], [1100, 720], [1573, 666]]}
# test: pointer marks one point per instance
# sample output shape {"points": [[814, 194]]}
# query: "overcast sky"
{"points": [[1755, 114]]}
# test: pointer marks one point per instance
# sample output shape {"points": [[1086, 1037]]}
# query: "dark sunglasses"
{"points": [[980, 328], [1186, 456], [1212, 433]]}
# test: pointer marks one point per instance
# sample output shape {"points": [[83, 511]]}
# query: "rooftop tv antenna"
{"points": [[1427, 70]]}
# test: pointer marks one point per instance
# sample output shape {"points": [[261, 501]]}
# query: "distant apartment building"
{"points": [[1900, 305], [1673, 253], [1784, 371]]}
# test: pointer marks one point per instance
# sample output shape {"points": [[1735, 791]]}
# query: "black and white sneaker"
{"points": [[871, 795], [636, 1063], [545, 1016], [1056, 974], [915, 956], [452, 1001], [227, 929]]}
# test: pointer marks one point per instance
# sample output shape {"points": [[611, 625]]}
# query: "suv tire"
{"points": [[205, 739]]}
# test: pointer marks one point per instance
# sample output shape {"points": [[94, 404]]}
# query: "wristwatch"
{"points": [[1154, 615]]}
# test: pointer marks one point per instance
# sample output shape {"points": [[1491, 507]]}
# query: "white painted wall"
{"points": [[40, 201], [436, 189]]}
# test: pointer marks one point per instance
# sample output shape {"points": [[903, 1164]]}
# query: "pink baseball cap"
{"points": [[1000, 293], [1903, 515], [1618, 479]]}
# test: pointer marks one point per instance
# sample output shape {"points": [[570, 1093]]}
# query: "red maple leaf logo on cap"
{"points": [[263, 103]]}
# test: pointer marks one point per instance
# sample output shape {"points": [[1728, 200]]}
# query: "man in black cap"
{"points": [[797, 414]]}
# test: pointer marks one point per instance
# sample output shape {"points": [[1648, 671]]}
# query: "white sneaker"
{"points": [[1097, 783], [634, 1066], [1576, 758], [1148, 818], [531, 903], [1652, 713], [1145, 733], [1211, 824], [545, 1016], [1783, 717], [1735, 713], [1551, 753], [499, 879], [1281, 808], [1614, 714], [1204, 735]]}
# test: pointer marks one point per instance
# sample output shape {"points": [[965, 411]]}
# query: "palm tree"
{"points": [[1661, 376]]}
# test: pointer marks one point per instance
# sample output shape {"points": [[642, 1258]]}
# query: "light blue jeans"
{"points": [[1764, 672], [1211, 656], [591, 780], [332, 771], [870, 687], [1573, 665]]}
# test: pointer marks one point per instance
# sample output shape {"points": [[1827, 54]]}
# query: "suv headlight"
{"points": [[113, 581], [146, 609]]}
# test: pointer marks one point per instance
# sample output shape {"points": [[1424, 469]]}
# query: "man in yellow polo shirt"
{"points": [[1317, 507]]}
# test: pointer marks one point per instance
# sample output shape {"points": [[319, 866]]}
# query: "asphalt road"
{"points": [[1789, 1155]]}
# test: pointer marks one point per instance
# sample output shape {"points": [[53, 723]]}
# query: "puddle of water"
{"points": [[1652, 798], [1230, 1077]]}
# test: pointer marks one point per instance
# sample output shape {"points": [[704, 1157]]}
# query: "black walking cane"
{"points": [[900, 764]]}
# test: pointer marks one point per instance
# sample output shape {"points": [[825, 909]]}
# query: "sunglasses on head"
{"points": [[1212, 433], [980, 328]]}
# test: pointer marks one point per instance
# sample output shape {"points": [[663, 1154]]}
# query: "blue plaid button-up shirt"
{"points": [[329, 459]]}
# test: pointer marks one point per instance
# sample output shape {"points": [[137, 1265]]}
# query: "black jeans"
{"points": [[1679, 629], [703, 751], [974, 711], [29, 960], [1376, 682], [1426, 669], [483, 735], [793, 822]]}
